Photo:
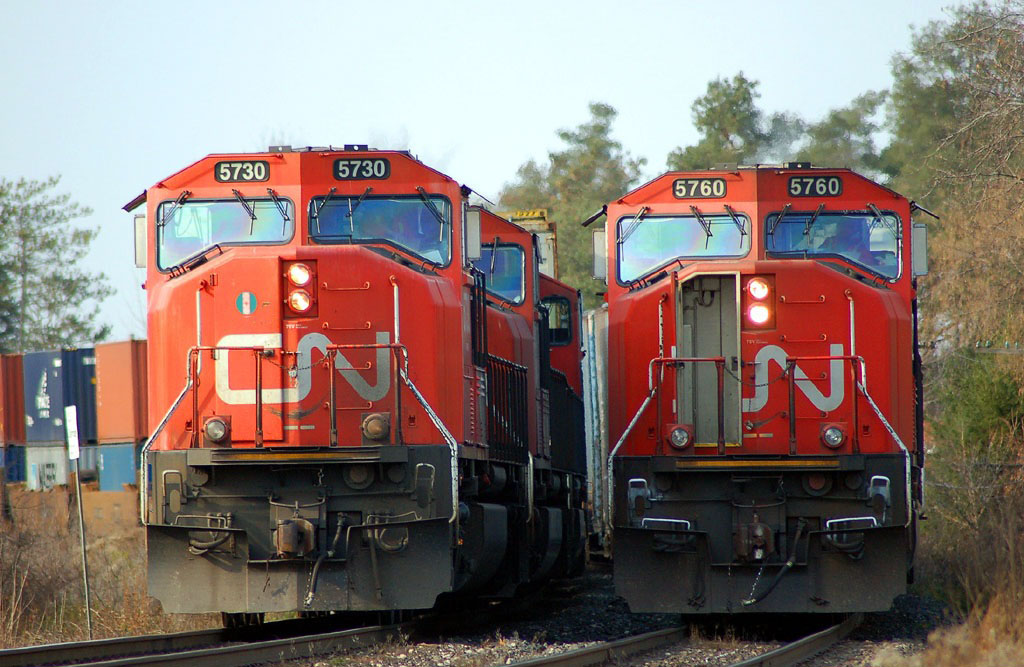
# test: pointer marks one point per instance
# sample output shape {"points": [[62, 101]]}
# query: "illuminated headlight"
{"points": [[299, 301], [216, 429], [833, 436], [757, 288], [679, 437], [299, 274], [758, 313]]}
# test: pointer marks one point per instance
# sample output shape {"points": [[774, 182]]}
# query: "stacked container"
{"points": [[121, 409], [53, 380], [12, 419]]}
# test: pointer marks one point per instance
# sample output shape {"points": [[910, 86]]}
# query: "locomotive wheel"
{"points": [[241, 620]]}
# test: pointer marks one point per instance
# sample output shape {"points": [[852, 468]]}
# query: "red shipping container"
{"points": [[121, 402], [12, 400]]}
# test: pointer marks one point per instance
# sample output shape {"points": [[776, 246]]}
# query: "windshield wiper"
{"points": [[248, 209], [703, 223], [494, 251], [736, 219], [633, 224], [810, 221], [281, 208], [881, 218], [433, 209], [352, 209], [776, 221], [185, 194], [316, 211]]}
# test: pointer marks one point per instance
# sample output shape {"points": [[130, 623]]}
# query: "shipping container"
{"points": [[12, 400], [14, 463], [46, 466], [121, 392], [79, 378], [118, 465], [44, 398], [88, 462]]}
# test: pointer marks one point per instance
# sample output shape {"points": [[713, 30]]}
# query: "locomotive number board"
{"points": [[241, 171], [358, 169], [815, 186], [699, 188]]}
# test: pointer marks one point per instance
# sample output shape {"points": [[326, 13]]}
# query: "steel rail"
{"points": [[806, 648], [609, 651], [194, 648]]}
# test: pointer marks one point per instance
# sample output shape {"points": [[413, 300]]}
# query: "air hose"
{"points": [[801, 524]]}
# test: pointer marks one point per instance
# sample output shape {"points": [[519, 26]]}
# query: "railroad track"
{"points": [[622, 649], [215, 648]]}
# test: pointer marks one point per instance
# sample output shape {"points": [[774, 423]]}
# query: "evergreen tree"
{"points": [[47, 300], [590, 171]]}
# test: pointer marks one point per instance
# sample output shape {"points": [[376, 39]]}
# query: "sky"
{"points": [[113, 96]]}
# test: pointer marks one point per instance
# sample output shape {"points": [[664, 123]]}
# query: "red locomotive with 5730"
{"points": [[344, 415]]}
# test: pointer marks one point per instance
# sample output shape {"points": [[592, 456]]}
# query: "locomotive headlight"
{"points": [[757, 288], [299, 274], [216, 429], [759, 313], [833, 436], [299, 300], [679, 437]]}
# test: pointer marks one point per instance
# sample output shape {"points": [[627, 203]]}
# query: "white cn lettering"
{"points": [[774, 353], [307, 344]]}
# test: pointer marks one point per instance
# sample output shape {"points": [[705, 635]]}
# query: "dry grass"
{"points": [[41, 597]]}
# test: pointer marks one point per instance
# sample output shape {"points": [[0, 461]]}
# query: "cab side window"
{"points": [[559, 319]]}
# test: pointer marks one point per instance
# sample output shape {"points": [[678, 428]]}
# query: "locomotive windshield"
{"points": [[503, 267], [866, 239], [419, 225], [185, 230], [652, 242]]}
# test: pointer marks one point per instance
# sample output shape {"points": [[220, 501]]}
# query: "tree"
{"points": [[845, 137], [734, 130], [47, 295], [589, 172]]}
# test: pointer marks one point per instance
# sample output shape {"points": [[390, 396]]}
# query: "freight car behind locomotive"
{"points": [[345, 415]]}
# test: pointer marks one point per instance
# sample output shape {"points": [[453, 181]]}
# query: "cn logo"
{"points": [[775, 354], [309, 342]]}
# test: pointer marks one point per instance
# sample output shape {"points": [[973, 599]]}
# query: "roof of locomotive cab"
{"points": [[788, 167], [280, 151]]}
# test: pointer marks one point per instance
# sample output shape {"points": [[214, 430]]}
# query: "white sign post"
{"points": [[71, 426]]}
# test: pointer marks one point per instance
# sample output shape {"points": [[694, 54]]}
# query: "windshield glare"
{"points": [[406, 222], [859, 237], [506, 278], [199, 225], [656, 240]]}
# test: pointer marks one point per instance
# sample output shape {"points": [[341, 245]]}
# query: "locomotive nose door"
{"points": [[708, 327]]}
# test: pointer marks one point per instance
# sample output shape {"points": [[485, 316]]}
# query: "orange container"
{"points": [[12, 400], [121, 392]]}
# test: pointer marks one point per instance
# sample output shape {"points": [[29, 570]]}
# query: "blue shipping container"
{"points": [[14, 463], [119, 465], [44, 398], [79, 379]]}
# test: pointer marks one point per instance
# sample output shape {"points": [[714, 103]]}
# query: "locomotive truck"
{"points": [[763, 390], [348, 410]]}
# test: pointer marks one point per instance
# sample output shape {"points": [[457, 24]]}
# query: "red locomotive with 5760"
{"points": [[345, 415], [763, 391]]}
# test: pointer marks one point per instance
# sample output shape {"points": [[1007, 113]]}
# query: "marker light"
{"points": [[215, 429], [679, 437], [299, 274], [299, 301], [757, 288], [833, 436], [758, 313]]}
